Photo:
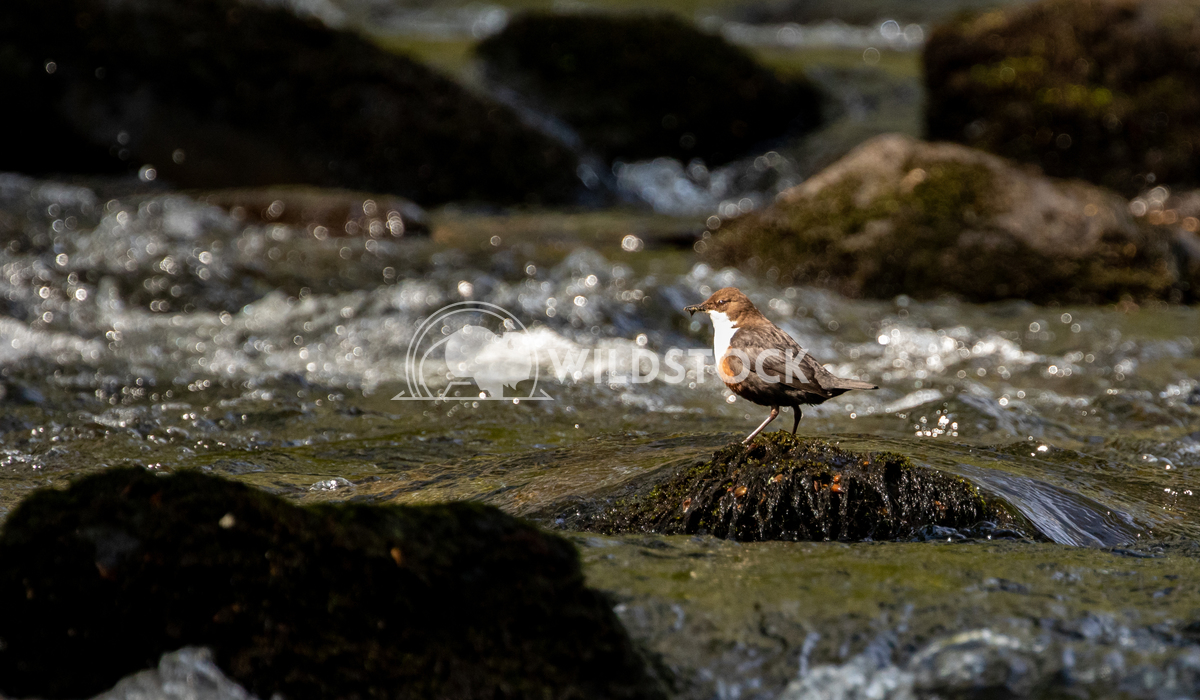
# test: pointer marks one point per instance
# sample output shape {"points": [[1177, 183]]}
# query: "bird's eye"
{"points": [[722, 301]]}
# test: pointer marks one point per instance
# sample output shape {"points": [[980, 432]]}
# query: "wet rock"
{"points": [[900, 216], [984, 530], [781, 487], [218, 93], [1097, 90], [21, 394], [639, 86], [454, 600]]}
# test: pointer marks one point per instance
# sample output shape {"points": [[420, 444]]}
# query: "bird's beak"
{"points": [[692, 309]]}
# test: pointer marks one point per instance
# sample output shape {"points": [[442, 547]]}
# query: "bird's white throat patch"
{"points": [[723, 330]]}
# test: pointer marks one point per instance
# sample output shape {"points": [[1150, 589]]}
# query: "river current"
{"points": [[162, 331]]}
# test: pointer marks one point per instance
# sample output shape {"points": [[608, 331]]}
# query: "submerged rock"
{"points": [[638, 86], [781, 487], [455, 600], [900, 216], [219, 93], [1098, 90]]}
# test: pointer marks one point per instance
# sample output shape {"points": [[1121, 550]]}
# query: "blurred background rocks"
{"points": [[1099, 90], [217, 93], [638, 87], [899, 216]]}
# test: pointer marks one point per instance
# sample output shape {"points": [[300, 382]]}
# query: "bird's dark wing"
{"points": [[782, 357]]}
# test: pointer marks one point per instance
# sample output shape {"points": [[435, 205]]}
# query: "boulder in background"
{"points": [[217, 93], [643, 86], [900, 216], [1099, 89]]}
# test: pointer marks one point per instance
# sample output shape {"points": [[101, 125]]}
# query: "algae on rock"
{"points": [[455, 600], [780, 487], [900, 216], [1100, 90]]}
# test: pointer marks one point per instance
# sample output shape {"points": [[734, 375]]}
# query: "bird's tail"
{"points": [[848, 384]]}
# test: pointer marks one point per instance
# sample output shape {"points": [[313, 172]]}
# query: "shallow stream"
{"points": [[161, 331]]}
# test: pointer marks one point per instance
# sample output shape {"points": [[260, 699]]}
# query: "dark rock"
{"points": [[447, 601], [781, 487], [1098, 90], [984, 530], [217, 93], [1191, 632], [899, 216], [640, 86], [20, 393]]}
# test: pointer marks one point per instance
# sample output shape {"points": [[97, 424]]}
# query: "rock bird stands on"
{"points": [[762, 364]]}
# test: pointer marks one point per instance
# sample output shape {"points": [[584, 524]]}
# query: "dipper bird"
{"points": [[762, 364]]}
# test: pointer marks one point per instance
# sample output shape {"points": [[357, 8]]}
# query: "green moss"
{"points": [[892, 245], [770, 597], [936, 237], [781, 487], [453, 600], [1095, 90]]}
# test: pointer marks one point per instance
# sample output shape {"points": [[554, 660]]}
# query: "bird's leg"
{"points": [[759, 429], [798, 417]]}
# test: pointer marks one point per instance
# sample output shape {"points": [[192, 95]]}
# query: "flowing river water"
{"points": [[161, 331]]}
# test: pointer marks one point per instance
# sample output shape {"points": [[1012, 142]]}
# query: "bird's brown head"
{"points": [[729, 301]]}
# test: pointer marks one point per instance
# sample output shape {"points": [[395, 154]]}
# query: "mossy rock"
{"points": [[780, 487], [445, 601], [643, 86], [900, 216], [221, 93], [1100, 90]]}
